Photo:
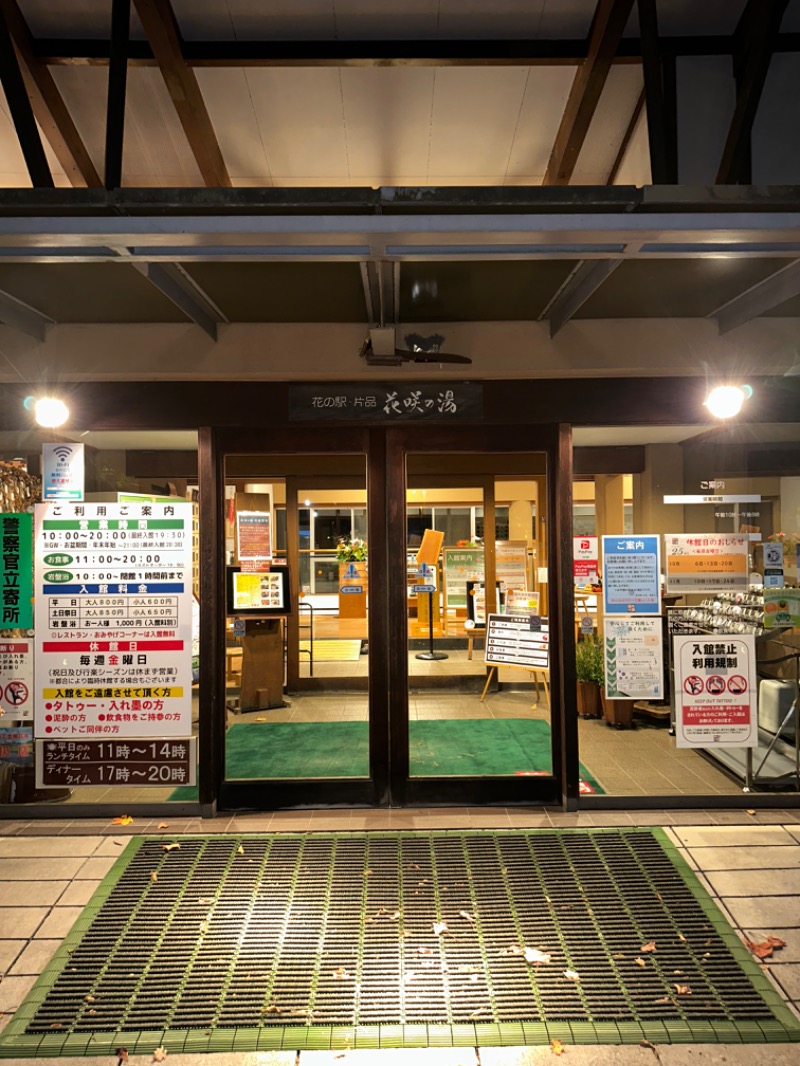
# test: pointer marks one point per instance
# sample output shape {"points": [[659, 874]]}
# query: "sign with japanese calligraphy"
{"points": [[706, 562], [62, 471], [460, 566], [634, 659], [150, 763], [781, 608], [715, 691], [350, 402], [584, 561], [16, 571], [518, 640], [16, 680], [114, 620], [16, 746], [631, 567]]}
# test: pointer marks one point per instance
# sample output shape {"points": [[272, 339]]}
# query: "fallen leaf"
{"points": [[340, 973], [619, 955], [572, 975], [515, 949], [240, 850], [394, 917], [640, 962], [122, 1055], [477, 1013], [765, 948], [776, 942], [273, 1008], [439, 928], [163, 825], [124, 819], [750, 810], [646, 1043], [205, 901], [204, 927], [159, 1054], [261, 719], [425, 951], [89, 999], [533, 955], [683, 990], [682, 938], [557, 1047], [467, 917], [664, 999], [153, 875], [118, 843], [171, 847], [649, 946], [56, 1025]]}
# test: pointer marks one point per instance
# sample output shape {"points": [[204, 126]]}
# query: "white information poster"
{"points": [[518, 640], [113, 619], [715, 691], [511, 564], [16, 680], [706, 562], [634, 658]]}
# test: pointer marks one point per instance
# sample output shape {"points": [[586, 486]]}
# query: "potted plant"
{"points": [[589, 673]]}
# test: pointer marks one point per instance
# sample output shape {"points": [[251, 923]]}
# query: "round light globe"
{"points": [[50, 412], [725, 401]]}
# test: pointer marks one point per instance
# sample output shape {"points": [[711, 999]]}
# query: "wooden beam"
{"points": [[608, 24], [48, 105], [764, 22], [626, 140], [21, 112], [653, 92], [161, 27], [117, 85]]}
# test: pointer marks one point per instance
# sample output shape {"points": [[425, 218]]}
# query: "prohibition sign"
{"points": [[715, 684], [737, 684], [693, 685], [16, 693]]}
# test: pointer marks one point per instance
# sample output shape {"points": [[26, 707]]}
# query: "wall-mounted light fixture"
{"points": [[48, 411], [725, 401]]}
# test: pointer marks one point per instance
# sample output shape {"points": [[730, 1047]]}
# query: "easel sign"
{"points": [[514, 640]]}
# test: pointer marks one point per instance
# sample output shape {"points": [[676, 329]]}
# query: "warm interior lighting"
{"points": [[725, 401], [50, 412]]}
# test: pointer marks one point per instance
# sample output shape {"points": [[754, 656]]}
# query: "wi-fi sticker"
{"points": [[63, 451]]}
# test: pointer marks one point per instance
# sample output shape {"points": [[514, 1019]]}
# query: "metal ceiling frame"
{"points": [[779, 287], [23, 317]]}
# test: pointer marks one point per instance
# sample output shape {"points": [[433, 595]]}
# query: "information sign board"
{"points": [[706, 562], [16, 680], [114, 620], [631, 568], [634, 658], [16, 570], [160, 762], [715, 691], [62, 471], [584, 561], [514, 640], [460, 566], [253, 535], [511, 564], [781, 608]]}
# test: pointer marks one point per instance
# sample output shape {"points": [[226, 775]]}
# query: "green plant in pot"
{"points": [[589, 674]]}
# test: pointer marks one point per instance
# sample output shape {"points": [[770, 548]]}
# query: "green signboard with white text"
{"points": [[16, 571]]}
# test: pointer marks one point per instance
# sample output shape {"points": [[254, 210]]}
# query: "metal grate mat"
{"points": [[311, 941]]}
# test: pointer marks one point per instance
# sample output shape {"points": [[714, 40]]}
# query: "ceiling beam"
{"points": [[626, 139], [608, 25], [179, 287], [48, 105], [22, 316], [660, 169], [370, 283], [779, 287], [763, 19], [21, 111], [161, 27], [584, 280], [117, 90], [571, 52]]}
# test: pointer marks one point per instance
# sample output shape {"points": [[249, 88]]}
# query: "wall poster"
{"points": [[460, 565], [715, 691], [113, 620], [584, 561], [634, 658], [706, 562], [631, 574], [16, 679], [511, 564]]}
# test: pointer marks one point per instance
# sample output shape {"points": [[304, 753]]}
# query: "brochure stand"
{"points": [[430, 654]]}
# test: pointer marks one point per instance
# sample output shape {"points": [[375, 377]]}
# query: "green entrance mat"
{"points": [[406, 939], [467, 747]]}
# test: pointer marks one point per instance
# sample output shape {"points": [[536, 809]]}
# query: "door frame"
{"points": [[561, 788]]}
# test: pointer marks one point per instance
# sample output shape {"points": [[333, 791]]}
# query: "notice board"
{"points": [[518, 640], [460, 565]]}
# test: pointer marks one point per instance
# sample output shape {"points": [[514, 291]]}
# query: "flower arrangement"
{"points": [[468, 544], [788, 540], [351, 550]]}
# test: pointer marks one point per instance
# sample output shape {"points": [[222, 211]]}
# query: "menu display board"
{"points": [[113, 619], [258, 593], [518, 640]]}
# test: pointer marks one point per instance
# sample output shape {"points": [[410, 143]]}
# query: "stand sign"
{"points": [[715, 691]]}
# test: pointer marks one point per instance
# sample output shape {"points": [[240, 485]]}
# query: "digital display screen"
{"points": [[258, 593]]}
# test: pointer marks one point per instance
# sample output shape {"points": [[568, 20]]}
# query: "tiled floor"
{"points": [[750, 864]]}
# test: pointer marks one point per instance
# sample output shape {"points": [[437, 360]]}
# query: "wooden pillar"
{"points": [[489, 565], [609, 503], [541, 541], [293, 559]]}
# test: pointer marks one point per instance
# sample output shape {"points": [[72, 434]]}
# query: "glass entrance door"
{"points": [[480, 715], [298, 717]]}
